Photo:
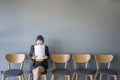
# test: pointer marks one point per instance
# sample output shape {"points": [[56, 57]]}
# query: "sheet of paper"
{"points": [[39, 51]]}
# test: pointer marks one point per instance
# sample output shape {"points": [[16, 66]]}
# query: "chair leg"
{"points": [[73, 76], [96, 75], [23, 78], [3, 78], [108, 77], [29, 77], [68, 77], [115, 77], [77, 76], [86, 77], [53, 76], [20, 78], [45, 77], [100, 76], [91, 77]]}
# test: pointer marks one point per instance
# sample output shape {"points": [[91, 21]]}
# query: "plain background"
{"points": [[68, 26]]}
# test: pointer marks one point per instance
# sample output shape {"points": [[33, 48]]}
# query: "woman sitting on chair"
{"points": [[39, 66]]}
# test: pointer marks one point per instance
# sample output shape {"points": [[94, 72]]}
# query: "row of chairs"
{"points": [[64, 58], [83, 58]]}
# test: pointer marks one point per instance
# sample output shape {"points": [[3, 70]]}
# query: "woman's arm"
{"points": [[31, 51], [31, 54], [48, 56], [47, 52]]}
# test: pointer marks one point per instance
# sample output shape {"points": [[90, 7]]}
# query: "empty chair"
{"points": [[17, 59], [82, 59], [58, 59], [104, 59]]}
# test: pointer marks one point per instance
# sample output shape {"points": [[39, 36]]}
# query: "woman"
{"points": [[39, 67]]}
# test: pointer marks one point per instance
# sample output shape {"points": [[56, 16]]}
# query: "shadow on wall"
{"points": [[115, 63], [56, 46], [27, 64], [115, 0]]}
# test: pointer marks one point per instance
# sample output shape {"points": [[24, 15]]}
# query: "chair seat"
{"points": [[107, 72], [80, 71], [60, 71], [13, 72]]}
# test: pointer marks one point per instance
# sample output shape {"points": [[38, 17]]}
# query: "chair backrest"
{"points": [[81, 58], [60, 58], [15, 58], [104, 59]]}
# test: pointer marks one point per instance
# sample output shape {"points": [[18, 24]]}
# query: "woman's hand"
{"points": [[34, 57], [45, 57]]}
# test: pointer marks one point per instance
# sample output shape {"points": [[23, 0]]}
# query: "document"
{"points": [[39, 51]]}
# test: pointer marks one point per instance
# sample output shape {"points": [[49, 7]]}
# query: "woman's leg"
{"points": [[37, 72]]}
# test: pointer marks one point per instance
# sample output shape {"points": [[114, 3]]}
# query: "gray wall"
{"points": [[69, 26]]}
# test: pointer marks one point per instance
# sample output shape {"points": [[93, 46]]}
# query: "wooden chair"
{"points": [[84, 59], [58, 59], [17, 59], [30, 76], [104, 59]]}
